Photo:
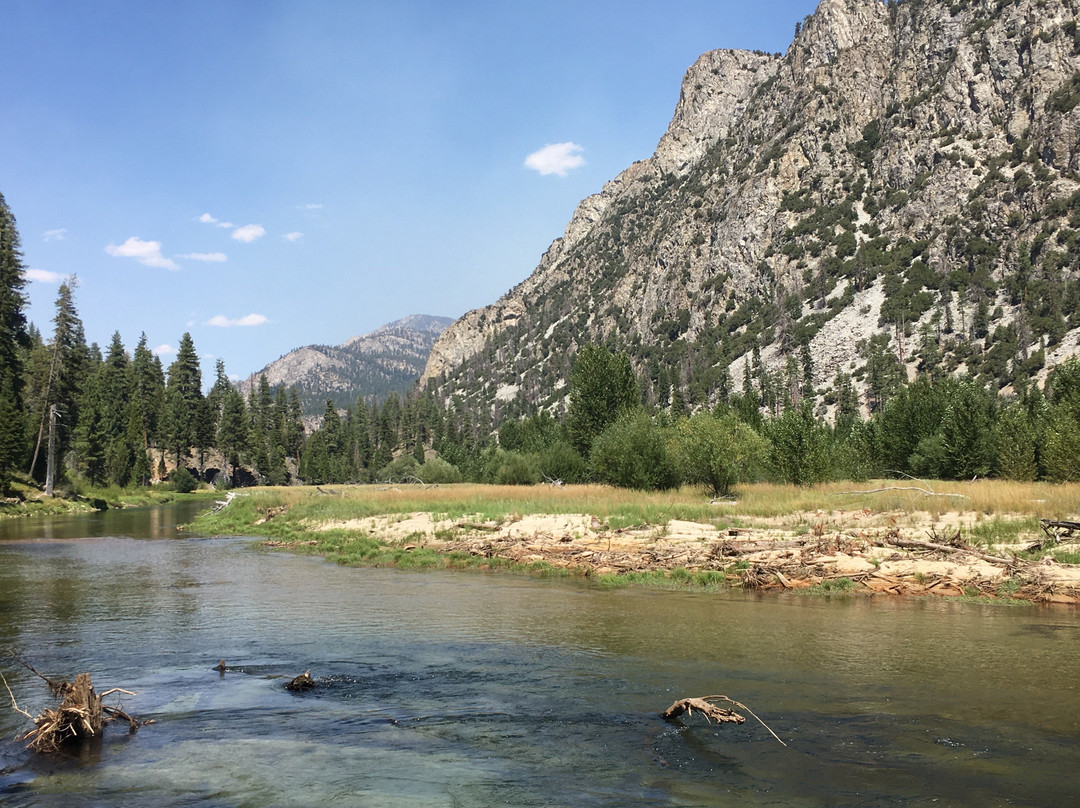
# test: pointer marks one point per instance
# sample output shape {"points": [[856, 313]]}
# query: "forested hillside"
{"points": [[372, 366], [896, 194]]}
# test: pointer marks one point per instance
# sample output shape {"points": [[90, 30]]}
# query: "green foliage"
{"points": [[14, 338], [437, 471], [1060, 456], [799, 447], [1017, 443], [183, 481], [633, 453], [602, 386], [719, 452]]}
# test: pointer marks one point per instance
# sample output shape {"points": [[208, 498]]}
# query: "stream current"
{"points": [[483, 689]]}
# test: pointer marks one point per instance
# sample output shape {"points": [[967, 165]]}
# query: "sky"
{"points": [[267, 175]]}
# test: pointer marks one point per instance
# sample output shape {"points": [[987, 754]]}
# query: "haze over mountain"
{"points": [[371, 366], [899, 188]]}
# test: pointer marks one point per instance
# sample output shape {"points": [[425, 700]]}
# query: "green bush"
{"points": [[518, 469], [437, 471], [183, 481], [633, 453], [719, 452]]}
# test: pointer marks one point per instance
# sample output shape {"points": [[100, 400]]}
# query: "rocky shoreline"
{"points": [[841, 551]]}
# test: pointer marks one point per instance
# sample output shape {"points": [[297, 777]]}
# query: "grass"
{"points": [[621, 508], [29, 500], [997, 512]]}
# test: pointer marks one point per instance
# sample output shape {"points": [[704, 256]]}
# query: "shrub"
{"points": [[633, 453], [183, 481], [719, 452]]}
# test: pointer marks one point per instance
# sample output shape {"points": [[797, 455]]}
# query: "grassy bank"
{"points": [[31, 501], [305, 507], [327, 521]]}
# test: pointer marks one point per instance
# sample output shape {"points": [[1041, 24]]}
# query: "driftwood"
{"points": [[721, 715], [81, 714], [1056, 529], [926, 491], [915, 544], [301, 683]]}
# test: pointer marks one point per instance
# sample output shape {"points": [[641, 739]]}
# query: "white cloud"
{"points": [[249, 232], [204, 257], [43, 276], [147, 253], [206, 218], [556, 158], [221, 321], [59, 234], [293, 236], [311, 206], [164, 350]]}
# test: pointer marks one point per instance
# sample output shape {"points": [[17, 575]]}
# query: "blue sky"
{"points": [[266, 175]]}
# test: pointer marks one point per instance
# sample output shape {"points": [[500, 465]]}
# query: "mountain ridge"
{"points": [[370, 366], [901, 183]]}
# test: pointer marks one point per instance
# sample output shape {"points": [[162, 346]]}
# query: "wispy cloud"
{"points": [[556, 158], [221, 321], [147, 253], [249, 232], [163, 350], [293, 236], [218, 256], [206, 218], [311, 206], [59, 234], [43, 276]]}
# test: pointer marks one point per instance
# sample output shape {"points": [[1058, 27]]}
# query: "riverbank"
{"points": [[30, 501], [971, 539]]}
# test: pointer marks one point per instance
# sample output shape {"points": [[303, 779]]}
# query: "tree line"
{"points": [[125, 419]]}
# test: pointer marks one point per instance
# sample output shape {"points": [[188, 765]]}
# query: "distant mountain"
{"points": [[388, 360], [898, 192]]}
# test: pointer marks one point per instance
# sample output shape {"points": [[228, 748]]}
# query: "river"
{"points": [[483, 689]]}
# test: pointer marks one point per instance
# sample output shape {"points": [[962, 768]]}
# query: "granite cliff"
{"points": [[899, 189]]}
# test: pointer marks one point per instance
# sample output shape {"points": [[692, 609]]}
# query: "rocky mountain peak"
{"points": [[900, 187]]}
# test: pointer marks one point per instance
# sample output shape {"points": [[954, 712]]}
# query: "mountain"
{"points": [[372, 366], [897, 191]]}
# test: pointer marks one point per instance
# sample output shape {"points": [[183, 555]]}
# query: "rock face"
{"points": [[372, 366], [902, 183]]}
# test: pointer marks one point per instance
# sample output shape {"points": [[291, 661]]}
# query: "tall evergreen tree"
{"points": [[69, 364], [147, 395], [232, 431], [184, 412], [13, 340]]}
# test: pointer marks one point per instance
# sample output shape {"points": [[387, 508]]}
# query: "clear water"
{"points": [[474, 689]]}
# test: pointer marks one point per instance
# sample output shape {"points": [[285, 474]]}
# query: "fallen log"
{"points": [[1055, 530], [721, 715], [916, 544]]}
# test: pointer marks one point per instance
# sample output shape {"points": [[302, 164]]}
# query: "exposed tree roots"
{"points": [[81, 713], [720, 715]]}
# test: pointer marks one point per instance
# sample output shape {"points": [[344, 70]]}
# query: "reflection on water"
{"points": [[440, 689]]}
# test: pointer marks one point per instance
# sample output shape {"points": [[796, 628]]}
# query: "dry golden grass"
{"points": [[621, 507]]}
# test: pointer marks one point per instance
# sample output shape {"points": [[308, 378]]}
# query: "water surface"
{"points": [[476, 689]]}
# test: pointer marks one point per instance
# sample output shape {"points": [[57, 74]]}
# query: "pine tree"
{"points": [[147, 394], [69, 365], [14, 339], [184, 414], [232, 430]]}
